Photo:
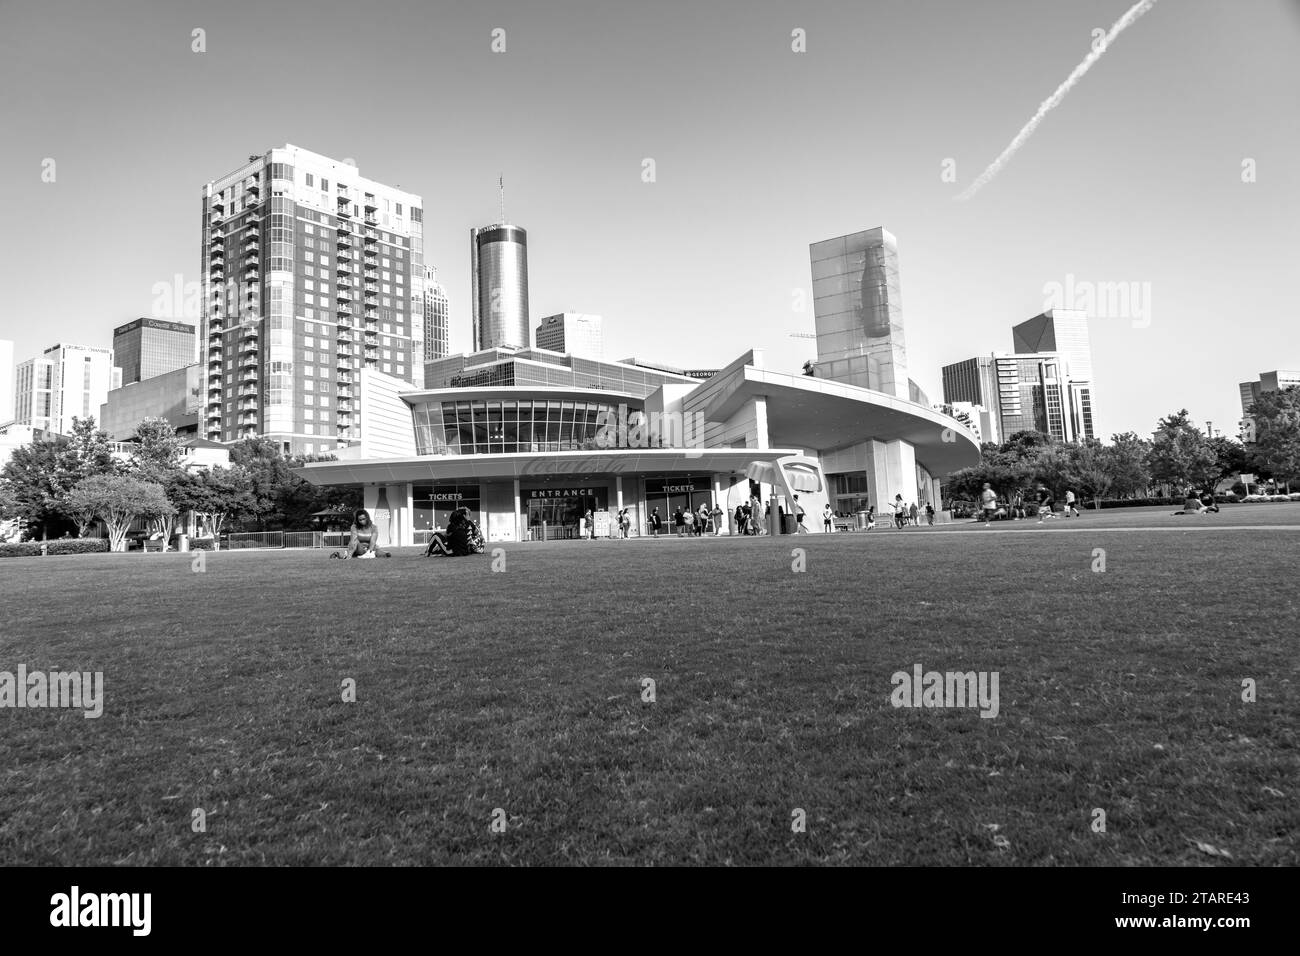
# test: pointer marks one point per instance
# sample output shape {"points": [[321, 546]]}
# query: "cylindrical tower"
{"points": [[499, 275]]}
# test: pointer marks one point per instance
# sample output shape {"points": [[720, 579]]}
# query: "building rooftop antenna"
{"points": [[501, 186]]}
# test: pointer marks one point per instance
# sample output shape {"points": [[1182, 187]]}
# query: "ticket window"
{"points": [[432, 505]]}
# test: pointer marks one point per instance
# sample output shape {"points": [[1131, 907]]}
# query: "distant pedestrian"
{"points": [[900, 512], [988, 503], [716, 514], [798, 517], [929, 513], [679, 521], [655, 522], [1070, 509], [871, 517], [1045, 503], [1018, 505], [625, 522], [912, 513], [688, 522], [739, 517], [828, 518], [702, 521]]}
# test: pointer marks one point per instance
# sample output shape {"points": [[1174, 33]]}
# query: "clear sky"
{"points": [[759, 151]]}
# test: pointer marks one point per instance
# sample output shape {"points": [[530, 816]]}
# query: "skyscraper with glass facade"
{"points": [[147, 348], [310, 274], [499, 286], [858, 309], [1064, 331]]}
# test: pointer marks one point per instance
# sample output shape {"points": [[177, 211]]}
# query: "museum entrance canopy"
{"points": [[539, 464]]}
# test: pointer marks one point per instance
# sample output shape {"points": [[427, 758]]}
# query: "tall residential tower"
{"points": [[310, 276]]}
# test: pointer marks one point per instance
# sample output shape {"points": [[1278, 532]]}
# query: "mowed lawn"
{"points": [[521, 690]]}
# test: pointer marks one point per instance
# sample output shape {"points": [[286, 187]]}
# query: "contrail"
{"points": [[1052, 101]]}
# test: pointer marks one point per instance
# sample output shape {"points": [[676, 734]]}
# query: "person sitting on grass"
{"points": [[363, 538], [1193, 505], [461, 538]]}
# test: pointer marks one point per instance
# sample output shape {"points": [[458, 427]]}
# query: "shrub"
{"points": [[32, 549], [201, 544], [78, 546], [20, 549]]}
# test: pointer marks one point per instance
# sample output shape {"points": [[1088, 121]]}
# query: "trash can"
{"points": [[789, 524], [861, 520]]}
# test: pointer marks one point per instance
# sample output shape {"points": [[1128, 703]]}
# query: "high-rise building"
{"points": [[576, 333], [499, 286], [1064, 331], [63, 383], [1275, 381], [437, 321], [1022, 392], [1250, 392], [858, 309], [6, 381], [310, 275], [147, 348]]}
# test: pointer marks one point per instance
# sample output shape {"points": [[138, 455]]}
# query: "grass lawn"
{"points": [[521, 690]]}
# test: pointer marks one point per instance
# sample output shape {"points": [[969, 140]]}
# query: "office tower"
{"points": [[1275, 381], [437, 323], [576, 333], [65, 382], [6, 381], [310, 276], [858, 309], [147, 348], [1022, 392], [1063, 331], [499, 286]]}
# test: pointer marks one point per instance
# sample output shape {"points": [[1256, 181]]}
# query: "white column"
{"points": [[521, 523]]}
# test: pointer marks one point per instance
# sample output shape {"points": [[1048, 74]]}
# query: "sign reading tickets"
{"points": [[603, 525]]}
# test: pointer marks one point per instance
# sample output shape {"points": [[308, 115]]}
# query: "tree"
{"points": [[88, 450], [1180, 455], [1126, 461], [216, 496], [33, 481], [1277, 434], [157, 460], [158, 450], [267, 472], [1053, 467], [1090, 472], [118, 500]]}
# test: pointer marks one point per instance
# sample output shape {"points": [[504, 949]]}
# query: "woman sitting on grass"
{"points": [[363, 538], [461, 538]]}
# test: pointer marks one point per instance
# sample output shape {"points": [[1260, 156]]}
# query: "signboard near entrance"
{"points": [[676, 485], [603, 524]]}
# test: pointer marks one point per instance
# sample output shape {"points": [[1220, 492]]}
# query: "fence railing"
{"points": [[248, 540]]}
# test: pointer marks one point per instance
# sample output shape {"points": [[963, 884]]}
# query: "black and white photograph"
{"points": [[730, 434]]}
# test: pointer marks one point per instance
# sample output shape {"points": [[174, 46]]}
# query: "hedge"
{"points": [[32, 549]]}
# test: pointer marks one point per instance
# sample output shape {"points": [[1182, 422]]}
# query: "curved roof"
{"points": [[823, 415]]}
